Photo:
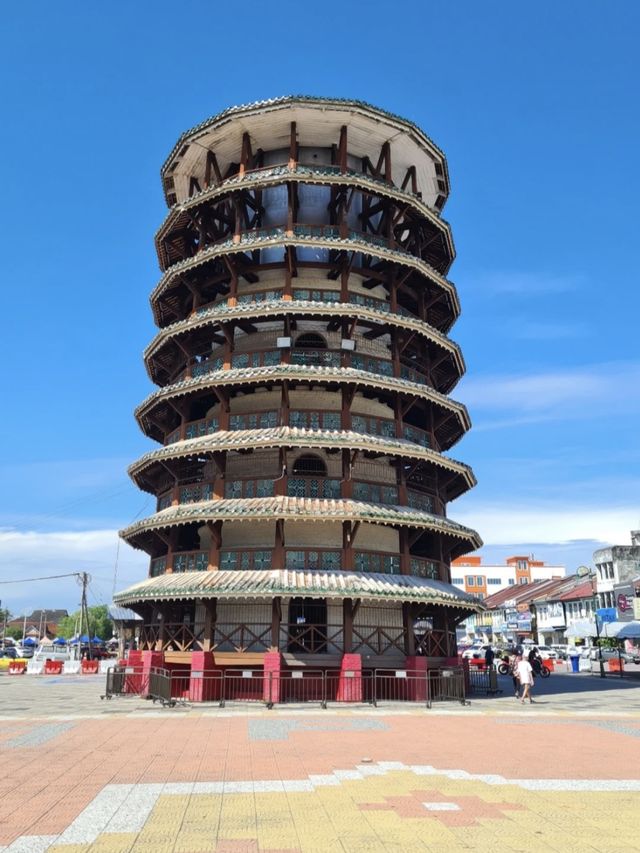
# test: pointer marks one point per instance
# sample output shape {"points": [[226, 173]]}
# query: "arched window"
{"points": [[309, 465], [310, 340]]}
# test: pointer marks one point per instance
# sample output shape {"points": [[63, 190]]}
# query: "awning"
{"points": [[621, 630], [582, 629]]}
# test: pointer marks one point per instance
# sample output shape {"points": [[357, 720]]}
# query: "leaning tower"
{"points": [[302, 410]]}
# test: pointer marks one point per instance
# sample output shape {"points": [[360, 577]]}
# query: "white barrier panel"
{"points": [[34, 667], [105, 666], [71, 667]]}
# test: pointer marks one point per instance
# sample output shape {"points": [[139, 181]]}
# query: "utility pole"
{"points": [[84, 611]]}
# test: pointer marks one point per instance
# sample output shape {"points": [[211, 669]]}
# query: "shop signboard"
{"points": [[623, 595], [606, 614], [524, 620]]}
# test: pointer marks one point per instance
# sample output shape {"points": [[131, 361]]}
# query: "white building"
{"points": [[470, 574], [615, 565]]}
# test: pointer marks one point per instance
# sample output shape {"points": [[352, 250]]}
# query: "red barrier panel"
{"points": [[89, 667], [17, 667], [53, 667]]}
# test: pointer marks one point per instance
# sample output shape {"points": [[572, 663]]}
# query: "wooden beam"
{"points": [[342, 149], [211, 166]]}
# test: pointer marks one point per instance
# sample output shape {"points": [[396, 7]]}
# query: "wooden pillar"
{"points": [[393, 295], [399, 417], [279, 559], [345, 414], [347, 625], [395, 352], [409, 636], [342, 149], [293, 146], [401, 479], [215, 528], [210, 619], [280, 483], [344, 286], [232, 298], [276, 619], [172, 547], [220, 461], [287, 292], [347, 547], [227, 353], [405, 556], [284, 404], [160, 618], [346, 486]]}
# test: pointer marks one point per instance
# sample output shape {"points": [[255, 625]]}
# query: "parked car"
{"points": [[612, 654], [9, 652], [25, 651], [479, 653]]}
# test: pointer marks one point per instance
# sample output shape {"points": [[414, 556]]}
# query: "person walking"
{"points": [[514, 660], [525, 676]]}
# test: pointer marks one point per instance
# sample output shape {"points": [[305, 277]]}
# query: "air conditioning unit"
{"points": [[347, 343], [283, 343]]}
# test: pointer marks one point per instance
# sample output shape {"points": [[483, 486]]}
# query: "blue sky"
{"points": [[535, 108]]}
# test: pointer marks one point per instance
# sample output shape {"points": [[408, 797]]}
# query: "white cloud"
{"points": [[33, 554], [502, 523], [593, 390]]}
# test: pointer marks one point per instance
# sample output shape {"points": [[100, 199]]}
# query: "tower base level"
{"points": [[278, 680]]}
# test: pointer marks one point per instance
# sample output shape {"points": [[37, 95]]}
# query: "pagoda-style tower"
{"points": [[303, 367]]}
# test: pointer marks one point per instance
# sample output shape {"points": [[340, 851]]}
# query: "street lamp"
{"points": [[584, 572]]}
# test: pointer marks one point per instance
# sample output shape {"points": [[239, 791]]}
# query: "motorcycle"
{"points": [[539, 670], [504, 668]]}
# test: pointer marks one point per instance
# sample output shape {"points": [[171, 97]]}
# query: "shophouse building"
{"points": [[618, 568]]}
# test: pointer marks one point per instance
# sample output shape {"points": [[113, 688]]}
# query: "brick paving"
{"points": [[101, 777]]}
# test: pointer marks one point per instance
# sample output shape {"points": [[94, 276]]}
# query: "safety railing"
{"points": [[446, 685], [303, 686], [483, 680]]}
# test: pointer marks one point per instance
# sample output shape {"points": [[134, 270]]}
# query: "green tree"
{"points": [[14, 633], [99, 623]]}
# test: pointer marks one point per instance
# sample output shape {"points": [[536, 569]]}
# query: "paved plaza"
{"points": [[81, 774]]}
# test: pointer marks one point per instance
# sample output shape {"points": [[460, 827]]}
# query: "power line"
{"points": [[46, 578]]}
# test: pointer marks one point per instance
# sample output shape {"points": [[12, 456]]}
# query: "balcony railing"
{"points": [[284, 169], [326, 488], [304, 357], [303, 294], [303, 419], [308, 559]]}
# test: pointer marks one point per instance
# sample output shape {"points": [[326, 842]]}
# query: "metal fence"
{"points": [[447, 685], [483, 680], [322, 687], [125, 681]]}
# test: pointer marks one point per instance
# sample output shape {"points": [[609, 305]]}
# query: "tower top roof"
{"points": [[371, 126]]}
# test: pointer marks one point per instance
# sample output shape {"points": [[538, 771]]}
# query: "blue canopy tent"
{"points": [[29, 642], [59, 641], [97, 640]]}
